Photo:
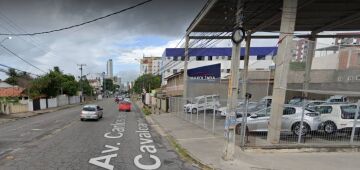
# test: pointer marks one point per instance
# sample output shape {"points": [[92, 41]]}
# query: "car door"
{"points": [[260, 122], [201, 104], [325, 112], [287, 117]]}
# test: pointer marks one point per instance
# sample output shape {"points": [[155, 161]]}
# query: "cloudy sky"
{"points": [[146, 30]]}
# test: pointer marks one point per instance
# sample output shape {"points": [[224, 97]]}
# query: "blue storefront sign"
{"points": [[210, 72]]}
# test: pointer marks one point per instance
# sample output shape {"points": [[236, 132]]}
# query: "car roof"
{"points": [[90, 105]]}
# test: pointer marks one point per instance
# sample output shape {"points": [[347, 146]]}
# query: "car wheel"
{"points": [[193, 111], [238, 129], [330, 127], [296, 129]]}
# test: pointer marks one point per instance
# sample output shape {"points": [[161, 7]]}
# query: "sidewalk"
{"points": [[206, 148]]}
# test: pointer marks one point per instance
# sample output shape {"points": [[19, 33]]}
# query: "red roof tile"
{"points": [[11, 91]]}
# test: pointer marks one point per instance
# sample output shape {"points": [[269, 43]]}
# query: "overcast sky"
{"points": [[145, 30]]}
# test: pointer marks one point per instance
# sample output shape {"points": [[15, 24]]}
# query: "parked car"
{"points": [[252, 107], [125, 106], [258, 121], [337, 117], [91, 112], [337, 99], [310, 104], [198, 104]]}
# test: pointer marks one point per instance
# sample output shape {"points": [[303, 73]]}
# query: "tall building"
{"points": [[150, 65], [109, 69], [301, 50]]}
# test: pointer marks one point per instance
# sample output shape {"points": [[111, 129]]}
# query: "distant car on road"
{"points": [[125, 106], [94, 112]]}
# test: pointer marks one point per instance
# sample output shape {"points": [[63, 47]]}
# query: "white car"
{"points": [[202, 103], [337, 117], [239, 109], [290, 122], [337, 99], [94, 112]]}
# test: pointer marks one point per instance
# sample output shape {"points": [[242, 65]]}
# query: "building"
{"points": [[347, 41], [173, 59], [150, 65], [301, 50], [109, 69], [96, 84], [11, 91]]}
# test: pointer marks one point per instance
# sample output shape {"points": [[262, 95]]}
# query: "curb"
{"points": [[184, 154]]}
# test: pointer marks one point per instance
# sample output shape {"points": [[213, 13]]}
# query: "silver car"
{"points": [[258, 121], [93, 112]]}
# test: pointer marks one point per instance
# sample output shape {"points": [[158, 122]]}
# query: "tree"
{"points": [[147, 82], [109, 85]]}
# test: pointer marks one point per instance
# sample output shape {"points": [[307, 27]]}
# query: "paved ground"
{"points": [[208, 148], [59, 140]]}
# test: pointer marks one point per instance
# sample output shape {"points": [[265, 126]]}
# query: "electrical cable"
{"points": [[16, 70], [77, 25]]}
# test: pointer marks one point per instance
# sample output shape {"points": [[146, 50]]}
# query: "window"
{"points": [[350, 78], [260, 57], [217, 57], [182, 58], [209, 99], [202, 100], [358, 77], [89, 108], [199, 58], [175, 58], [227, 70], [209, 58], [242, 57], [229, 57], [174, 71], [263, 113], [289, 111], [181, 70], [323, 109], [223, 57]]}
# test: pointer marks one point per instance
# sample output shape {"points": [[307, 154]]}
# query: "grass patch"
{"points": [[146, 110], [184, 154]]}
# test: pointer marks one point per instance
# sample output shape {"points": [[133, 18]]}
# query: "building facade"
{"points": [[150, 65], [261, 58], [109, 69]]}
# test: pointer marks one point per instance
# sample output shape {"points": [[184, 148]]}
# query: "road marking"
{"points": [[146, 147], [36, 129]]}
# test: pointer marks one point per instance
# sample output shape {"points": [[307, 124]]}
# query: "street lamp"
{"points": [[7, 38]]}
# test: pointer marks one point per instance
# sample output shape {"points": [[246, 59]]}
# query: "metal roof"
{"points": [[265, 15], [254, 51]]}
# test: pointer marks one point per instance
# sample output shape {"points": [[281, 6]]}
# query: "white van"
{"points": [[200, 103]]}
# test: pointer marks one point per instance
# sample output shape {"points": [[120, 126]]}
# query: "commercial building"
{"points": [[261, 58], [150, 65]]}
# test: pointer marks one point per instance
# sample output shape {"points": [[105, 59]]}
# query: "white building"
{"points": [[173, 59], [109, 69]]}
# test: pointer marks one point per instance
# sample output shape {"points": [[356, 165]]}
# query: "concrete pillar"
{"points": [[186, 53], [281, 71], [309, 59]]}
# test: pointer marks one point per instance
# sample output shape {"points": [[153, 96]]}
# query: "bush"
{"points": [[146, 110]]}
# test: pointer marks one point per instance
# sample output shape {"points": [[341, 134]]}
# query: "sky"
{"points": [[146, 30]]}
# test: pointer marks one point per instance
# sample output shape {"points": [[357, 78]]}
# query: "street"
{"points": [[59, 140]]}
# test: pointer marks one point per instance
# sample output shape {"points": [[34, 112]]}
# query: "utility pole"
{"points": [[233, 89], [81, 76], [185, 91]]}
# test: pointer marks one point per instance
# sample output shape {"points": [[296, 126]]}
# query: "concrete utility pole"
{"points": [[81, 76], [309, 58], [233, 89], [282, 61], [185, 91]]}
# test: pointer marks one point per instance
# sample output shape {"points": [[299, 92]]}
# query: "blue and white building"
{"points": [[261, 58]]}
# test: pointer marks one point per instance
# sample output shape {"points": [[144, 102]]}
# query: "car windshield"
{"points": [[89, 109]]}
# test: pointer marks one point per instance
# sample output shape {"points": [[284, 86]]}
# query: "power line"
{"points": [[20, 57], [77, 25], [16, 70]]}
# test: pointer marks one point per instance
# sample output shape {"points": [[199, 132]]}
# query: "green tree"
{"points": [[147, 82]]}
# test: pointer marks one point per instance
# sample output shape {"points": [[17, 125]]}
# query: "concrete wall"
{"points": [[52, 102], [62, 100], [43, 104], [74, 99], [18, 108], [30, 105]]}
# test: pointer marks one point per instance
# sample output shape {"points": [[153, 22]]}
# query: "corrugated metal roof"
{"points": [[11, 91], [254, 51]]}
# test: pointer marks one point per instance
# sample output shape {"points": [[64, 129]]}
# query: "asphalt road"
{"points": [[59, 140]]}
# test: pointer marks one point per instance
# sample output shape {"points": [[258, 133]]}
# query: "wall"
{"points": [[52, 102], [18, 108], [62, 100], [74, 99], [43, 104], [30, 105]]}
